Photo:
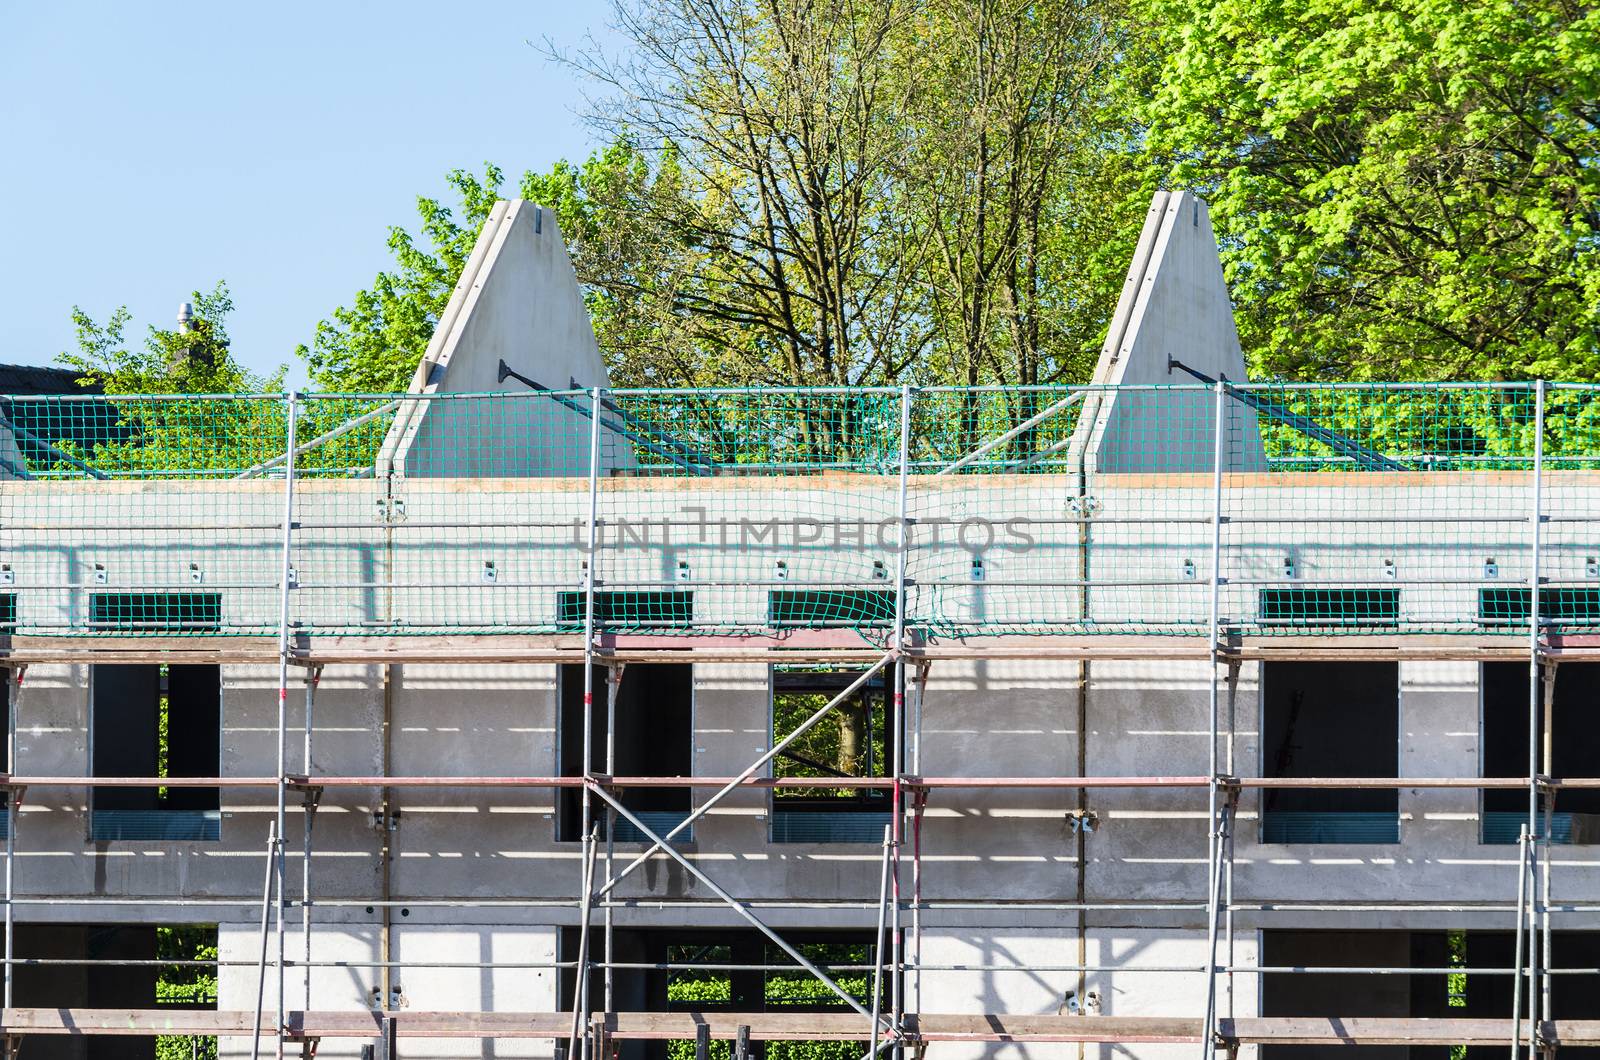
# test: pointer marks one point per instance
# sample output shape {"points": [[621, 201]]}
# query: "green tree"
{"points": [[832, 194], [1023, 166], [195, 359], [786, 121], [134, 438], [1404, 189]]}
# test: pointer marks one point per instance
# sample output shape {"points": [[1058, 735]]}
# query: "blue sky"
{"points": [[147, 150]]}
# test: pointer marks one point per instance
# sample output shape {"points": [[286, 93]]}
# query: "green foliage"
{"points": [[1404, 190], [819, 194], [781, 989], [850, 740], [170, 361], [179, 986]]}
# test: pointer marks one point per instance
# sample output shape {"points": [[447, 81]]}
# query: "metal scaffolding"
{"points": [[1019, 446]]}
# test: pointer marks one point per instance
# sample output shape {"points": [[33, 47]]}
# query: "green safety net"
{"points": [[1340, 510]]}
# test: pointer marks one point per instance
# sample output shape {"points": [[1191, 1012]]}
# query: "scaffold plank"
{"points": [[795, 1026]]}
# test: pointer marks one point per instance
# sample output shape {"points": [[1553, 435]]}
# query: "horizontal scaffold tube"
{"points": [[860, 783]]}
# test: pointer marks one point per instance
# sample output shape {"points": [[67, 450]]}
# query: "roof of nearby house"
{"points": [[31, 379], [44, 431]]}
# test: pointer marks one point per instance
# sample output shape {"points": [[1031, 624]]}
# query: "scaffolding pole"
{"points": [[1516, 957], [1551, 670], [1230, 766], [591, 576], [1535, 701], [281, 820], [897, 724], [1213, 787], [14, 690], [309, 812], [613, 688]]}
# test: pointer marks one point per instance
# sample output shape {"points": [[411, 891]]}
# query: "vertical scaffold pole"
{"points": [[897, 819], [591, 571], [291, 409], [1516, 973], [1230, 766], [1535, 699], [613, 689], [313, 677], [919, 800], [580, 985], [1213, 791], [14, 688]]}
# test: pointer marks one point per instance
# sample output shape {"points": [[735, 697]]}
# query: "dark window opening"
{"points": [[1575, 813], [771, 983], [855, 740], [1431, 995], [1330, 720], [68, 986], [8, 614], [830, 607], [163, 722], [655, 737], [156, 612], [1314, 608], [616, 611]]}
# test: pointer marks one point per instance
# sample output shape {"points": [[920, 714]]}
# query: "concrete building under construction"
{"points": [[519, 714]]}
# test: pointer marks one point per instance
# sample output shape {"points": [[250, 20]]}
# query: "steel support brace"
{"points": [[662, 843], [878, 939], [261, 970], [1222, 826], [1523, 838], [733, 903], [580, 982]]}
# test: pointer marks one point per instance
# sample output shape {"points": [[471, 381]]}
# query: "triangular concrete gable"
{"points": [[518, 302], [1174, 305]]}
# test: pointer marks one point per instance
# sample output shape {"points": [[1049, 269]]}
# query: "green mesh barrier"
{"points": [[628, 611], [1038, 511], [1330, 607], [1562, 606], [821, 607]]}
